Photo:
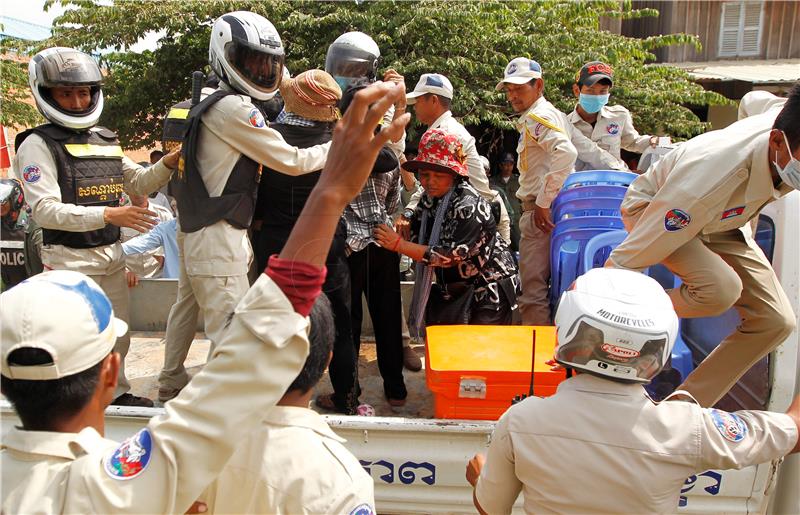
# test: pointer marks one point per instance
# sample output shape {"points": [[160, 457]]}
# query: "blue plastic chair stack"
{"points": [[588, 227], [588, 206]]}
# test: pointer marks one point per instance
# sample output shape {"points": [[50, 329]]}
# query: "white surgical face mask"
{"points": [[790, 174]]}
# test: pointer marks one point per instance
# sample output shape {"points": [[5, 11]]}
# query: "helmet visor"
{"points": [[591, 349], [68, 68], [6, 191], [260, 67], [346, 61]]}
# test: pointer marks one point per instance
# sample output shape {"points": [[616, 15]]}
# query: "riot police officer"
{"points": [[216, 190], [73, 173], [21, 237]]}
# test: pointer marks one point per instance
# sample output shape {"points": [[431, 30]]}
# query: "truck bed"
{"points": [[146, 356]]}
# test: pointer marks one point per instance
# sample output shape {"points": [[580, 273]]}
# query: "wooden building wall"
{"points": [[779, 35]]}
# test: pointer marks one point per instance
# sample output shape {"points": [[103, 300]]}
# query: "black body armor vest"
{"points": [[197, 209], [89, 174]]}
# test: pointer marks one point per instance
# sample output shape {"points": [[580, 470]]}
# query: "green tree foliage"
{"points": [[470, 42], [14, 111]]}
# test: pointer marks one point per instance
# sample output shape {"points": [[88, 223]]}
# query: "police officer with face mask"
{"points": [[352, 59], [611, 127], [73, 173], [688, 211]]}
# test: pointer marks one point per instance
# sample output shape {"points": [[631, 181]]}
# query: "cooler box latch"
{"points": [[472, 388]]}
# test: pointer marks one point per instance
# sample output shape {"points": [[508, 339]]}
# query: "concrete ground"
{"points": [[146, 356]]}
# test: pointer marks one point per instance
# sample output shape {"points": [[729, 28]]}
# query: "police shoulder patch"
{"points": [[256, 119], [730, 425], [31, 174], [676, 219], [131, 457], [363, 509], [612, 129]]}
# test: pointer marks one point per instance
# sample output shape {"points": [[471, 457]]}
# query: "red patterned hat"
{"points": [[441, 152]]}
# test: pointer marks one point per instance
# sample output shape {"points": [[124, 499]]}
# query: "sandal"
{"points": [[326, 402]]}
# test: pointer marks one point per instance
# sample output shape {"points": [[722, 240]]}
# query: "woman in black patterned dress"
{"points": [[454, 238]]}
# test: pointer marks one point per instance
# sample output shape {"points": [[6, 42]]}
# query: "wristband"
{"points": [[396, 245]]}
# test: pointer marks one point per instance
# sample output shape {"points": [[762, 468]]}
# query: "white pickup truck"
{"points": [[418, 464]]}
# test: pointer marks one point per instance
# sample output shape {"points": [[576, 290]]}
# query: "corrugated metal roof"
{"points": [[757, 72], [19, 29]]}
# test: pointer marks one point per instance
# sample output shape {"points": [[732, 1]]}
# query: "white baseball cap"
{"points": [[62, 312], [519, 71], [434, 83]]}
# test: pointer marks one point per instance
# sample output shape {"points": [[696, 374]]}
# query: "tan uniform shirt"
{"points": [[232, 127], [545, 152], [599, 446], [477, 175], [294, 463], [612, 131], [145, 265], [44, 197], [167, 465], [715, 182]]}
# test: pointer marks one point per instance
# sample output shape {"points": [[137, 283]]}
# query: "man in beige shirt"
{"points": [[290, 438], [59, 369], [224, 150], [431, 99], [547, 149], [600, 444], [73, 173], [687, 212]]}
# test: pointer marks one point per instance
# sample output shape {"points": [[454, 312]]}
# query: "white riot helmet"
{"points": [[246, 53], [616, 323], [65, 67], [351, 58]]}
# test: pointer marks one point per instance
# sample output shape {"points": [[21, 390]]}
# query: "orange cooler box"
{"points": [[474, 371]]}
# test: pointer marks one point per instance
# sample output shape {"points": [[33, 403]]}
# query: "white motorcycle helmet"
{"points": [[615, 323], [246, 53], [65, 67], [353, 57]]}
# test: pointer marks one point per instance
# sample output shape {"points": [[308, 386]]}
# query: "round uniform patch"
{"points": [[537, 130], [676, 219], [363, 509], [31, 174], [612, 128], [729, 425], [131, 457], [256, 118]]}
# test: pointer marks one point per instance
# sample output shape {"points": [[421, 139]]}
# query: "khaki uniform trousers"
{"points": [[115, 287], [721, 270], [216, 297], [534, 270]]}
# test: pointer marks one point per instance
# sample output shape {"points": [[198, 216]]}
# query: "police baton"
{"points": [[197, 85]]}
